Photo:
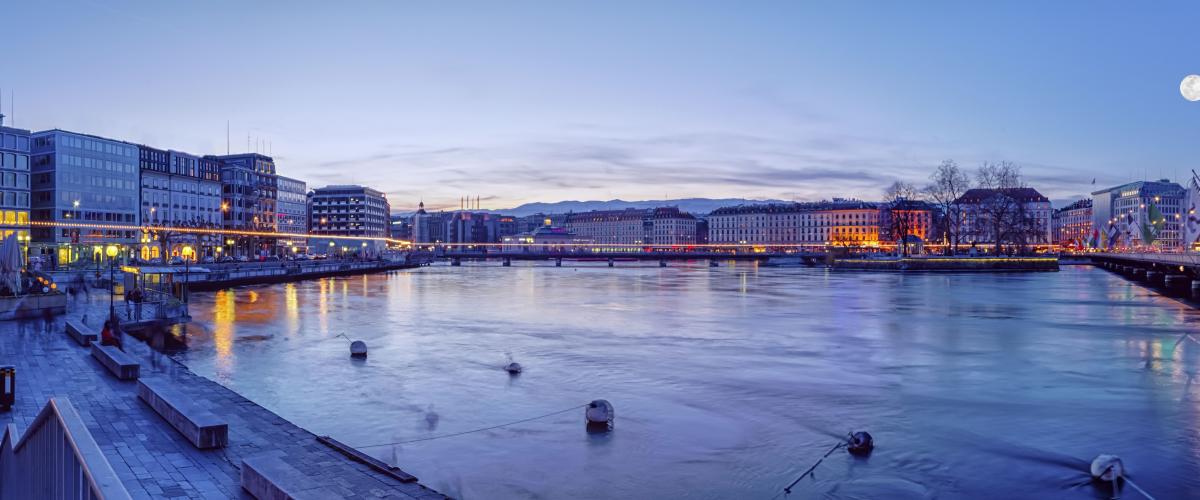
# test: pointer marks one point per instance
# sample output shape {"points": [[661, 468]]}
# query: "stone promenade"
{"points": [[151, 458]]}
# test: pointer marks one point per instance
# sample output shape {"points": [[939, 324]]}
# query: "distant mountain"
{"points": [[693, 205]]}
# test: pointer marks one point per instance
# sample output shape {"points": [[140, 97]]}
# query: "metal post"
{"points": [[112, 291]]}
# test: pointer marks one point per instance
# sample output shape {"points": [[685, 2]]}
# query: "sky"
{"points": [[521, 101]]}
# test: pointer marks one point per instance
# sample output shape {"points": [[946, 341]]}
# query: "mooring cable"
{"points": [[812, 468], [431, 438], [1138, 488]]}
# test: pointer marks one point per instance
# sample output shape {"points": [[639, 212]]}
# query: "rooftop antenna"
{"points": [[226, 137], [247, 142], [1, 107]]}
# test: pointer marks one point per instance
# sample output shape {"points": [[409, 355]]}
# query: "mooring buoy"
{"points": [[860, 443], [513, 368], [1107, 468], [599, 415], [358, 349]]}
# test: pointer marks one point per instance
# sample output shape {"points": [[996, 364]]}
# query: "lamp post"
{"points": [[187, 271], [111, 252], [331, 245]]}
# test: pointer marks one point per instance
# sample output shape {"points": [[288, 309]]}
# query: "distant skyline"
{"points": [[519, 102]]}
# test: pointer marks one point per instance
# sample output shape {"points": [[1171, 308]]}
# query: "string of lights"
{"points": [[816, 247]]}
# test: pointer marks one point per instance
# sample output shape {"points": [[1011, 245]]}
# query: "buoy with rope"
{"points": [[857, 443]]}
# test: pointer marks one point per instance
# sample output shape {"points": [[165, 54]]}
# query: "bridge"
{"points": [[1175, 274], [612, 257]]}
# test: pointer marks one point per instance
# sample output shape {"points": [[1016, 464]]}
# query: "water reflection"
{"points": [[728, 381]]}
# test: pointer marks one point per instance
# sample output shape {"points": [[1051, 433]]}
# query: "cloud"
{"points": [[595, 164]]}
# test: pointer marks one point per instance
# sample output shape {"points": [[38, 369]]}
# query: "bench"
{"points": [[122, 365], [199, 426], [82, 333], [267, 476]]}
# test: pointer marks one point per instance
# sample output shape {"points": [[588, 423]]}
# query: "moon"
{"points": [[1190, 87]]}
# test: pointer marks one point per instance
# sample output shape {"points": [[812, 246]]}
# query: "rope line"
{"points": [[788, 489], [431, 438], [1138, 488]]}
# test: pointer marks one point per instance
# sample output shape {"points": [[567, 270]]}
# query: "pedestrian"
{"points": [[108, 335]]}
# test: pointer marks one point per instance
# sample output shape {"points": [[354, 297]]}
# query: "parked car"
{"points": [[176, 260], [208, 260], [243, 258]]}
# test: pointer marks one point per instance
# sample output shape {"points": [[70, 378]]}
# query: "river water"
{"points": [[728, 382]]}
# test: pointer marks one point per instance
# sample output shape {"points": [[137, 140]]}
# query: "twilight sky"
{"points": [[519, 101]]}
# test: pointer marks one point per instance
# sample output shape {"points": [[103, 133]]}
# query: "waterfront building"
{"points": [[1140, 215], [911, 221], [1071, 225], [428, 227], [292, 215], [348, 210], [14, 182], [249, 194], [402, 227], [529, 223], [635, 226], [837, 222], [1021, 215], [177, 190], [80, 178], [546, 239], [465, 228]]}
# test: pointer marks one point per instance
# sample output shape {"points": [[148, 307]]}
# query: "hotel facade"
{"points": [[837, 222]]}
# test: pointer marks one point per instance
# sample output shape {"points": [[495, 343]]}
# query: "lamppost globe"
{"points": [[111, 251]]}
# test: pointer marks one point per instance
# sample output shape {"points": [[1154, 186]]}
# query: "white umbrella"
{"points": [[11, 262]]}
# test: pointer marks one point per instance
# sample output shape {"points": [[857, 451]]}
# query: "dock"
{"points": [[150, 458]]}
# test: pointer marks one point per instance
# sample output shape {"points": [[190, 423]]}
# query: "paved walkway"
{"points": [[151, 458]]}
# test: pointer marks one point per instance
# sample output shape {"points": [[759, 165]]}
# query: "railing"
{"points": [[1181, 259], [56, 457]]}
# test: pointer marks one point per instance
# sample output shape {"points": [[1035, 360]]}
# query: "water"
{"points": [[727, 382]]}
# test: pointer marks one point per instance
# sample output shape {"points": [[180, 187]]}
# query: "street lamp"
{"points": [[187, 271], [111, 252]]}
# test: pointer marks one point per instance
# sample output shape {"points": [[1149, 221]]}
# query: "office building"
{"points": [[1140, 215], [292, 216], [634, 226], [348, 211], [14, 182], [178, 190], [248, 202], [88, 180]]}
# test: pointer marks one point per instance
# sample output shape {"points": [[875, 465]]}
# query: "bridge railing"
{"points": [[56, 457], [1175, 259]]}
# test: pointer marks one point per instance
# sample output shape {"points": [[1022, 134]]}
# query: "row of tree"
{"points": [[998, 214]]}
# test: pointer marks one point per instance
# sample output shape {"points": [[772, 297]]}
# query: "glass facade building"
{"points": [[87, 180], [292, 216], [14, 182]]}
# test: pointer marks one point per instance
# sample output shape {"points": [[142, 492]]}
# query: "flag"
{"points": [[1152, 223], [1191, 227]]}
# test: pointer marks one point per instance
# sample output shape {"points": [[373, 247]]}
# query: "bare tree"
{"points": [[947, 185], [900, 219], [999, 212]]}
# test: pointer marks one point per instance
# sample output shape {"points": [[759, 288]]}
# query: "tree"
{"points": [[900, 218], [1000, 214], [947, 184]]}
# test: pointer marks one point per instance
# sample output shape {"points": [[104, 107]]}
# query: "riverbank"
{"points": [[151, 459], [956, 264]]}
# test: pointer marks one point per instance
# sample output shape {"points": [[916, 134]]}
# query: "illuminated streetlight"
{"points": [[111, 252]]}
